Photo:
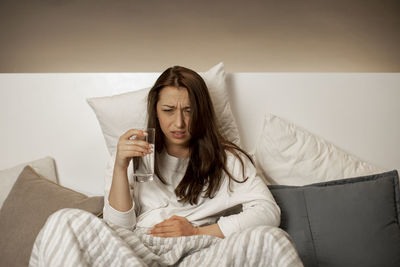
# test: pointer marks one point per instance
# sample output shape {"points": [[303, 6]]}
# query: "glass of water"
{"points": [[143, 167]]}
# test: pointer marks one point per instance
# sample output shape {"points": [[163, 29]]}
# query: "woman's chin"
{"points": [[178, 141]]}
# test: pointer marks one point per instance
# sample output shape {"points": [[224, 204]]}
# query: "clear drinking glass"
{"points": [[143, 167]]}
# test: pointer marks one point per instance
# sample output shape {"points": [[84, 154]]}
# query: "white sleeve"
{"points": [[125, 219], [258, 205]]}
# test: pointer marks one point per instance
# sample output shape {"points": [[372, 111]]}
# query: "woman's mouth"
{"points": [[178, 135]]}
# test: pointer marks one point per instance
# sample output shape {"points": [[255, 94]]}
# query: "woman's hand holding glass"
{"points": [[131, 144]]}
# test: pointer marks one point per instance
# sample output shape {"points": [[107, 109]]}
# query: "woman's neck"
{"points": [[177, 151]]}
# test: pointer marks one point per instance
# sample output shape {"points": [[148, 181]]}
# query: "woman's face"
{"points": [[174, 114]]}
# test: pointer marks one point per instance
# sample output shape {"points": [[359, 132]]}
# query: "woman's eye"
{"points": [[167, 110]]}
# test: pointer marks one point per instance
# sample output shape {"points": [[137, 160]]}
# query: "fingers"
{"points": [[167, 226], [133, 132], [173, 226], [140, 146], [163, 229], [166, 231], [131, 144], [134, 148], [178, 218], [130, 154], [164, 223], [171, 221]]}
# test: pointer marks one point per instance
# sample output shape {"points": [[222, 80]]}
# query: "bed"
{"points": [[323, 127]]}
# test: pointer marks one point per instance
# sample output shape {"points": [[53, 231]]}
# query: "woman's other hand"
{"points": [[173, 227], [131, 144]]}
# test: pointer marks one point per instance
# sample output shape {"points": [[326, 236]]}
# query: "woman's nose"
{"points": [[179, 120]]}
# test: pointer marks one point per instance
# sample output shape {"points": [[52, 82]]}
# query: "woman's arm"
{"points": [[118, 203], [255, 213], [113, 212], [120, 197], [258, 205], [180, 226], [212, 229]]}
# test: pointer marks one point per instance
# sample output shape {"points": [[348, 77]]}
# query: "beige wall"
{"points": [[249, 36]]}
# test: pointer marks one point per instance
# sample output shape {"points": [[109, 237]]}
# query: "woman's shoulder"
{"points": [[235, 157], [240, 165]]}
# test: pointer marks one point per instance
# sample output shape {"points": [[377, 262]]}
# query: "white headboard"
{"points": [[47, 115]]}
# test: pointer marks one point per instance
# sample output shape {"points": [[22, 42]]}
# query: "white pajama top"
{"points": [[154, 202]]}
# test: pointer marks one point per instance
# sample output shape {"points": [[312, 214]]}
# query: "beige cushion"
{"points": [[30, 202], [44, 166]]}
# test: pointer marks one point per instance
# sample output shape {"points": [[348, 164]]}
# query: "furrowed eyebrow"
{"points": [[169, 106]]}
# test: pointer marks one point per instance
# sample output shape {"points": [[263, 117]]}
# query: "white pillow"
{"points": [[289, 155], [118, 113], [44, 166]]}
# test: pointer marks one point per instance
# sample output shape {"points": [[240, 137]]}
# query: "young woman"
{"points": [[200, 176]]}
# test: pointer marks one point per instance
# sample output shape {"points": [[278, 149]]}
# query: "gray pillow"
{"points": [[31, 200], [348, 222]]}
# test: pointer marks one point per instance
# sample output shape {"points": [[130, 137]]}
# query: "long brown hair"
{"points": [[207, 146]]}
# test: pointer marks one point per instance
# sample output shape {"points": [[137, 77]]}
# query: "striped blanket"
{"points": [[73, 237]]}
